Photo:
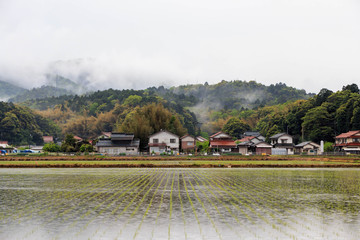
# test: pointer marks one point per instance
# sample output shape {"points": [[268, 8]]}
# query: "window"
{"points": [[283, 140], [190, 143], [155, 140], [172, 140]]}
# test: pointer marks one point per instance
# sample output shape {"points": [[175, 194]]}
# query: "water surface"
{"points": [[179, 204]]}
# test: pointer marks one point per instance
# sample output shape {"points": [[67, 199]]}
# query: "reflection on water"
{"points": [[179, 204]]}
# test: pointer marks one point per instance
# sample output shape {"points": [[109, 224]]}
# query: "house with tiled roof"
{"points": [[222, 142], [118, 144], [254, 145], [48, 139], [348, 142], [164, 142], [282, 143], [309, 148], [188, 143]]}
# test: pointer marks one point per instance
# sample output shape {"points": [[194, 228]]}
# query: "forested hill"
{"points": [[21, 126], [40, 93], [321, 117], [8, 90], [232, 94], [189, 103], [142, 112]]}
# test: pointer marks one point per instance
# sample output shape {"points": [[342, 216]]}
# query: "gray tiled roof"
{"points": [[277, 135], [110, 143]]}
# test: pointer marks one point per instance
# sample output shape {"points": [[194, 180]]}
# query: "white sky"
{"points": [[308, 44]]}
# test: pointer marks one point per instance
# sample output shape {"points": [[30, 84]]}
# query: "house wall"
{"points": [[243, 150], [265, 150], [287, 139], [165, 137], [221, 135], [119, 150], [188, 143]]}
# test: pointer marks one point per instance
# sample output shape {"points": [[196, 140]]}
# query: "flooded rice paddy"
{"points": [[179, 204]]}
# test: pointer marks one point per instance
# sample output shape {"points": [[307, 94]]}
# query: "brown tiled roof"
{"points": [[246, 139], [223, 143], [348, 134], [216, 134]]}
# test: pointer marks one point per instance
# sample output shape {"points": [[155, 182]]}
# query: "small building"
{"points": [[5, 148], [348, 142], [201, 139], [282, 143], [251, 134], [309, 148], [104, 135], [254, 145], [119, 143], [188, 143], [78, 139], [164, 142], [222, 142], [48, 139]]}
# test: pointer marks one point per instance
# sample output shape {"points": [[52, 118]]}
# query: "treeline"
{"points": [[21, 126], [117, 110], [321, 117]]}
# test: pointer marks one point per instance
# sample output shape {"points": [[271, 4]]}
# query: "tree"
{"points": [[328, 147], [322, 96], [202, 146], [352, 87], [69, 144], [51, 147], [317, 125], [235, 127], [144, 121], [133, 100], [86, 148]]}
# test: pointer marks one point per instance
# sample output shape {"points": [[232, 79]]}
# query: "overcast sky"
{"points": [[308, 44]]}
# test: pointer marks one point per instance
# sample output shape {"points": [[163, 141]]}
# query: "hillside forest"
{"points": [[201, 109]]}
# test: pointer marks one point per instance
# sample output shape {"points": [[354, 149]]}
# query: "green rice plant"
{"points": [[207, 213], [181, 205], [141, 184], [161, 202], [148, 207], [140, 202], [193, 208]]}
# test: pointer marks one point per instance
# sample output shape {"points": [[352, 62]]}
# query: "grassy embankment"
{"points": [[180, 161]]}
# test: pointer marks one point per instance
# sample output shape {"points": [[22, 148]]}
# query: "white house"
{"points": [[310, 148], [282, 143], [164, 142], [118, 144]]}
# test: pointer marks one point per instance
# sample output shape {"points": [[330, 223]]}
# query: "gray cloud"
{"points": [[307, 44]]}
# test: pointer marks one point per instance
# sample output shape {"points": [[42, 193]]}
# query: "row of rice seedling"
{"points": [[138, 183], [183, 203], [308, 220], [264, 211], [278, 210], [305, 222], [159, 208], [71, 196], [199, 180]]}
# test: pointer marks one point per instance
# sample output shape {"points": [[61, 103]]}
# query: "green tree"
{"points": [[86, 148], [317, 125], [69, 144], [328, 147], [202, 146], [51, 147], [235, 127], [133, 100]]}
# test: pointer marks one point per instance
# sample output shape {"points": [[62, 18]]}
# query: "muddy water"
{"points": [[179, 204]]}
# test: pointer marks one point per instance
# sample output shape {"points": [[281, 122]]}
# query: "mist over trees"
{"points": [[194, 109]]}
